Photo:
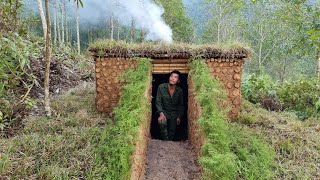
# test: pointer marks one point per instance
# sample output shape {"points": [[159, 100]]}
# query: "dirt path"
{"points": [[167, 160]]}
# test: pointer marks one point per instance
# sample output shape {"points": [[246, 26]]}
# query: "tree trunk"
{"points": [[71, 35], [55, 23], [142, 35], [43, 20], [89, 36], [118, 30], [62, 23], [111, 27], [58, 25], [78, 34], [318, 68], [47, 59], [283, 71], [67, 28], [132, 31], [261, 40]]}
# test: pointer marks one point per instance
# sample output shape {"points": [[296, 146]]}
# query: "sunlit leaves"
{"points": [[314, 34]]}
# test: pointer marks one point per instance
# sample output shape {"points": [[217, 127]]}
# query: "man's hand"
{"points": [[178, 121], [162, 118]]}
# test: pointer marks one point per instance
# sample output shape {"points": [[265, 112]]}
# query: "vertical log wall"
{"points": [[108, 84], [229, 71]]}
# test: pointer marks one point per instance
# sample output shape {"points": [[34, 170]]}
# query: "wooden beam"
{"points": [[171, 61], [167, 72]]}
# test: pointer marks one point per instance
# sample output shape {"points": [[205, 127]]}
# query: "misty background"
{"points": [[275, 30]]}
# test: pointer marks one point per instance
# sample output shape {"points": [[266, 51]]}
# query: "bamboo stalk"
{"points": [[170, 65], [171, 68], [167, 72], [175, 61]]}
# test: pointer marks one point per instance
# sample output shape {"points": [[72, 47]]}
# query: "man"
{"points": [[169, 104]]}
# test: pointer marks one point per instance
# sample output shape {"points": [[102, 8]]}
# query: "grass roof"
{"points": [[159, 50]]}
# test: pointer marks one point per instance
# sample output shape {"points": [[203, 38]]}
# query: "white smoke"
{"points": [[146, 15]]}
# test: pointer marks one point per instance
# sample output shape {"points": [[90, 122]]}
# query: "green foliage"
{"points": [[15, 76], [115, 145], [223, 17], [254, 87], [229, 152], [299, 96], [9, 12], [176, 17]]}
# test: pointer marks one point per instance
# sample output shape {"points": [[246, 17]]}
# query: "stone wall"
{"points": [[229, 72], [108, 84]]}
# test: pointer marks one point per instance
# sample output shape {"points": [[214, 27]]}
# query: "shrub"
{"points": [[298, 96], [15, 79], [254, 87], [301, 96]]}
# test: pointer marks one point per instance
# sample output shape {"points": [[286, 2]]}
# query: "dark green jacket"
{"points": [[172, 107]]}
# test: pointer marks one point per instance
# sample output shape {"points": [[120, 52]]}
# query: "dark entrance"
{"points": [[182, 129]]}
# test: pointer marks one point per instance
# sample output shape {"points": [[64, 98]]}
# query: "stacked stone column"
{"points": [[108, 83], [229, 72]]}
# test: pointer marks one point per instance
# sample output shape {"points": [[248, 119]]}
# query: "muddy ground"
{"points": [[167, 160]]}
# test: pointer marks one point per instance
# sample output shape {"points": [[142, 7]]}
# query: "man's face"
{"points": [[174, 79]]}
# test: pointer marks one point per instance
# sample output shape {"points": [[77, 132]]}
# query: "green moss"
{"points": [[229, 152]]}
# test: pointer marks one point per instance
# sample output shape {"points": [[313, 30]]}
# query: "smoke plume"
{"points": [[146, 16]]}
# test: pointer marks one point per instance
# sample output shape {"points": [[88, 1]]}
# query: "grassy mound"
{"points": [[229, 151], [296, 142], [55, 148]]}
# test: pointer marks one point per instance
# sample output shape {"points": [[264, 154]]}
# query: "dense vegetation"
{"points": [[16, 80], [22, 67], [229, 152], [300, 96]]}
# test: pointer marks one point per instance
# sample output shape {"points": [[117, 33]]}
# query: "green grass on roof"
{"points": [[160, 47]]}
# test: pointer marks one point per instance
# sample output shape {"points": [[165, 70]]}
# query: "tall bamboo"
{"points": [[43, 20], [67, 28], [78, 34], [132, 30], [62, 22], [47, 59], [55, 23], [318, 68], [58, 25], [111, 27]]}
